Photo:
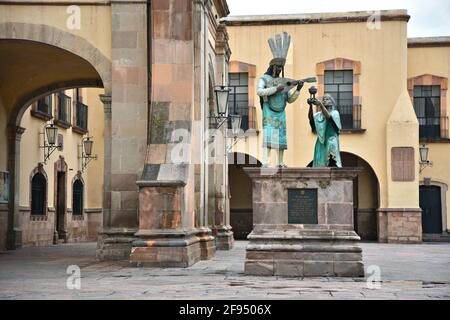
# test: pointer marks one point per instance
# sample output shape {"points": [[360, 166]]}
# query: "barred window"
{"points": [[339, 84], [427, 105]]}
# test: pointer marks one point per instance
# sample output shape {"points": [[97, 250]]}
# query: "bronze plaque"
{"points": [[302, 206]]}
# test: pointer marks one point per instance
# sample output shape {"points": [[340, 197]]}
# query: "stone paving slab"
{"points": [[407, 272]]}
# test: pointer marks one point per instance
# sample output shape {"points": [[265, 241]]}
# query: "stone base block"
{"points": [[115, 245], [14, 239], [224, 238], [207, 244], [304, 251], [171, 248], [400, 225]]}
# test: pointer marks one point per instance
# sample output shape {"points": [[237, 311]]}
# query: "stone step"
{"points": [[436, 237]]}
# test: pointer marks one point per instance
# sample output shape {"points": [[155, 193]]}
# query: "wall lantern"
{"points": [[216, 121], [49, 134], [86, 152], [424, 162], [222, 94]]}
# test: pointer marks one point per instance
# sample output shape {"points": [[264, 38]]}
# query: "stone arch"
{"points": [[48, 35], [366, 196], [39, 170], [80, 55]]}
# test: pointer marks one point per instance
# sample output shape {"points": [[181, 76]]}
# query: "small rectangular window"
{"points": [[44, 105], [339, 84], [238, 98]]}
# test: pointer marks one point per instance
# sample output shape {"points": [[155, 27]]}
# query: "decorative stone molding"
{"points": [[340, 64], [316, 18]]}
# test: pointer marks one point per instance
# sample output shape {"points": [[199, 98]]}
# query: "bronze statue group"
{"points": [[276, 92]]}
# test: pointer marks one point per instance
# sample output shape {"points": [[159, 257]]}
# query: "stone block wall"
{"points": [[400, 225], [335, 197], [3, 225]]}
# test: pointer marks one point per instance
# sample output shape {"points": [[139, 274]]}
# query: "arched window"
{"points": [[77, 197], [38, 194]]}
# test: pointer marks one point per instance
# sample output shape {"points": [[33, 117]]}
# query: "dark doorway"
{"points": [[60, 232], [241, 205], [430, 203]]}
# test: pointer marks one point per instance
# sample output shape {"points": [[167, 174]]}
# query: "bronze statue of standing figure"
{"points": [[326, 123]]}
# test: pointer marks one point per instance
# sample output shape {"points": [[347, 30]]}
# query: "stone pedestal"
{"points": [[224, 237], [324, 245], [164, 238]]}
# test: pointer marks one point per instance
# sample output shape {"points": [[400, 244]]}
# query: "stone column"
{"points": [[14, 235], [128, 123], [168, 234], [222, 229], [106, 100]]}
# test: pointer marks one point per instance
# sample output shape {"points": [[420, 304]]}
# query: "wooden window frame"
{"points": [[35, 112]]}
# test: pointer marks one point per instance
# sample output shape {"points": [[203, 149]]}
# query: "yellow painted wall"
{"points": [[383, 55], [434, 61], [95, 21], [31, 154]]}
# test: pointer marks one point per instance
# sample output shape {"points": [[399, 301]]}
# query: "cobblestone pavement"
{"points": [[407, 272]]}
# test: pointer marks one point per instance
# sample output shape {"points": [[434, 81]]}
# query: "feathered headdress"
{"points": [[279, 45]]}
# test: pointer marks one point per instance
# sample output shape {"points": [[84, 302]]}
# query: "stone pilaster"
{"points": [[222, 229], [14, 233], [127, 124]]}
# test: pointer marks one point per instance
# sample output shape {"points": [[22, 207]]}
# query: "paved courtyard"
{"points": [[407, 272]]}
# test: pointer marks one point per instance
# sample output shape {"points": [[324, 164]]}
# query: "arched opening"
{"points": [[366, 197], [35, 65], [241, 205], [38, 194], [77, 198]]}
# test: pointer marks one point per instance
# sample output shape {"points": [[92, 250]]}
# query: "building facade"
{"points": [[60, 198], [391, 95], [165, 191], [156, 64]]}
